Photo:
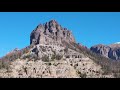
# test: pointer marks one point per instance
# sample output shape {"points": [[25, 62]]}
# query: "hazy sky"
{"points": [[89, 28]]}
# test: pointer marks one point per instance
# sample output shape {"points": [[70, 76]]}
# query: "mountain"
{"points": [[54, 53], [51, 33], [110, 51]]}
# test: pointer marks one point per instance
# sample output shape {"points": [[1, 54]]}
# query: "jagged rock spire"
{"points": [[49, 33]]}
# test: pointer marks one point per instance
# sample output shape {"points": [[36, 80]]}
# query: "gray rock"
{"points": [[50, 33], [101, 49], [110, 51]]}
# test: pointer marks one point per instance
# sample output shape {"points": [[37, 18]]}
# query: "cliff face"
{"points": [[110, 51], [50, 33], [101, 49]]}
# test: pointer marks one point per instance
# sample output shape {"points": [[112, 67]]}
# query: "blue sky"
{"points": [[89, 28]]}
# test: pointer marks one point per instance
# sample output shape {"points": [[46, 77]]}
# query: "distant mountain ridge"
{"points": [[110, 51]]}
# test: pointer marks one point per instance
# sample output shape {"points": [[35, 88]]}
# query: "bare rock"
{"points": [[50, 32], [110, 51], [101, 49]]}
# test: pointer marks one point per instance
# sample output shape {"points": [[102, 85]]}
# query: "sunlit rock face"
{"points": [[50, 33]]}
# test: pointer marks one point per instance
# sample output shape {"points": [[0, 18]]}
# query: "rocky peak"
{"points": [[53, 23], [50, 33]]}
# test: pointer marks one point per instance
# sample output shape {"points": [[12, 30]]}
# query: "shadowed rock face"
{"points": [[50, 33], [114, 53], [110, 51], [101, 49]]}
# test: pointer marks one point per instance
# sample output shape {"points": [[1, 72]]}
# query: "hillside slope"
{"points": [[66, 64]]}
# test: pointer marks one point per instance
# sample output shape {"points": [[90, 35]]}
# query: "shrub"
{"points": [[117, 75], [45, 58], [53, 57], [66, 50], [84, 75], [34, 56], [4, 64], [26, 56], [59, 57], [43, 49], [61, 50], [67, 56]]}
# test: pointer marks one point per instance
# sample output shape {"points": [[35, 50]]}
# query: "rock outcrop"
{"points": [[50, 33], [101, 49], [110, 51]]}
